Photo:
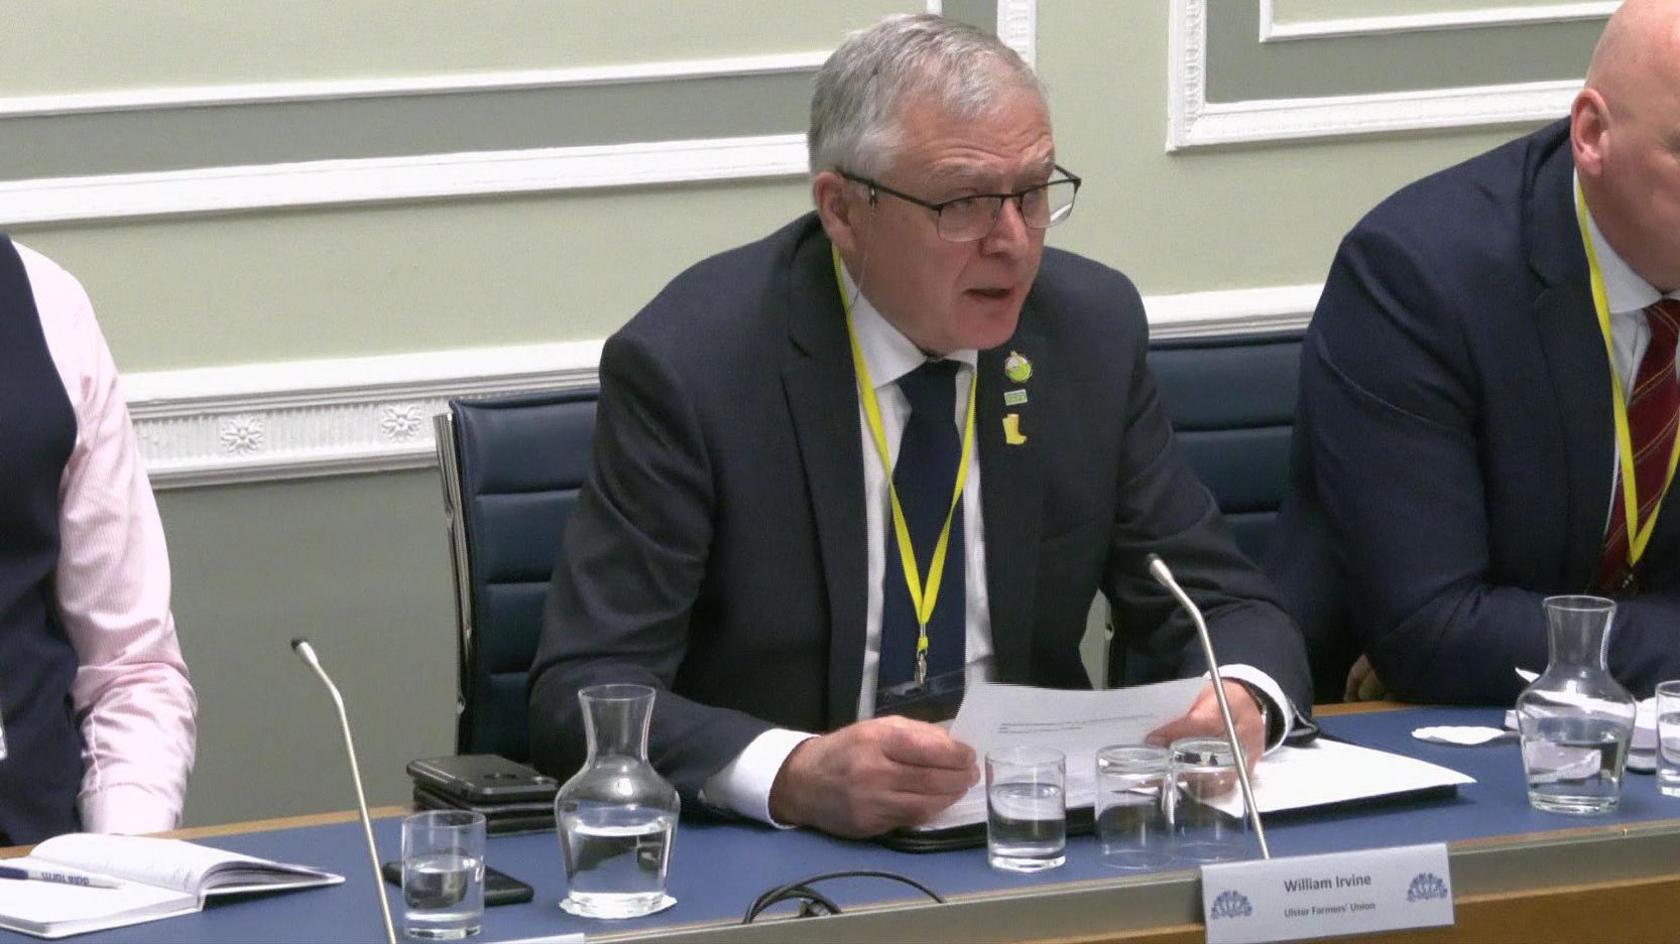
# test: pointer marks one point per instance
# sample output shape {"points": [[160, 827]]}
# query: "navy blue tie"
{"points": [[924, 476]]}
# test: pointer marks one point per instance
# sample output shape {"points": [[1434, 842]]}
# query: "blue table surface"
{"points": [[718, 868]]}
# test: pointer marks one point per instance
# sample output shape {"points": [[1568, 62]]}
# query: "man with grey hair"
{"points": [[892, 450]]}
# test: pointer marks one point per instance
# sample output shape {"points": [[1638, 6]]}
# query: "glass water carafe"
{"points": [[1576, 720], [616, 817]]}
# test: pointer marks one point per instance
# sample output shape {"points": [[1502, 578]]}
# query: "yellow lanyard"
{"points": [[1639, 534], [922, 598]]}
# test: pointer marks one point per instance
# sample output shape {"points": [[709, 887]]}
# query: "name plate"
{"points": [[1328, 895]]}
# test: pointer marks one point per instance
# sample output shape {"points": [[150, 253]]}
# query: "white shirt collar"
{"points": [[889, 354], [1624, 290]]}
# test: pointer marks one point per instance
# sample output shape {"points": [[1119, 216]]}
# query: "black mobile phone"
{"points": [[482, 778], [500, 888]]}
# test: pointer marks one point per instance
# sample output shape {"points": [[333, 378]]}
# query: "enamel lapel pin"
{"points": [[1019, 370]]}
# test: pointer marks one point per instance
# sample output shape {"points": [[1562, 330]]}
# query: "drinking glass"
{"points": [[1026, 814], [1132, 827], [443, 874], [1668, 738], [1202, 778]]}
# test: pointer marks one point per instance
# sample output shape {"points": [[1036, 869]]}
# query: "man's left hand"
{"points": [[1203, 720]]}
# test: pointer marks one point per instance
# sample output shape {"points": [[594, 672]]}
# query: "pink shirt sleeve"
{"points": [[132, 698]]}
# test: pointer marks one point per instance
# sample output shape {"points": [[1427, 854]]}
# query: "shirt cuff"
{"points": [[1282, 713], [127, 808], [743, 786]]}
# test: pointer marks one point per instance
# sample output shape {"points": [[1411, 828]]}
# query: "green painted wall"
{"points": [[360, 566], [57, 46], [359, 563], [395, 278], [1243, 69], [1222, 218]]}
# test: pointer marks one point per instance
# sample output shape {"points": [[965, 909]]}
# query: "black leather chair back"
{"points": [[512, 467], [1231, 400]]}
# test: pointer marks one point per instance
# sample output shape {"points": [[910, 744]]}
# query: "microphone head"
{"points": [[305, 651], [1158, 569]]}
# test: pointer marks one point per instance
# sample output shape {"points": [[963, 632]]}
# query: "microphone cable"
{"points": [[814, 904]]}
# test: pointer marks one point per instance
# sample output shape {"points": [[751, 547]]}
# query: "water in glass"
{"points": [[1574, 764], [616, 859], [1668, 738], [1668, 749], [443, 895], [1027, 826]]}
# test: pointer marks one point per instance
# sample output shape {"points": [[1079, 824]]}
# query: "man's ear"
{"points": [[1589, 132], [840, 214]]}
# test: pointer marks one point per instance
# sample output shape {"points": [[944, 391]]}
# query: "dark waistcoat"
{"points": [[42, 771]]}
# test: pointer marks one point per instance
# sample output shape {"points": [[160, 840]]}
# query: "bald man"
{"points": [[1469, 413]]}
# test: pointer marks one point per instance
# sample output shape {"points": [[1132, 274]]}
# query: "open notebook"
{"points": [[160, 878]]}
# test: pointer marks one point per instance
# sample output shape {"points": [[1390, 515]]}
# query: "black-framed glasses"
{"points": [[965, 219]]}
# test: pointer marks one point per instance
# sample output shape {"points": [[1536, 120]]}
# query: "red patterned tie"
{"points": [[1653, 410]]}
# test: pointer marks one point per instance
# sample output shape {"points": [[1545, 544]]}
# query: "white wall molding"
{"points": [[1231, 311], [1192, 121], [374, 180], [263, 93], [1271, 30], [302, 419], [305, 419], [1203, 125]]}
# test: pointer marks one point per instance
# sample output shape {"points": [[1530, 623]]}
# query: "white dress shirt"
{"points": [[131, 695], [743, 786], [1627, 296]]}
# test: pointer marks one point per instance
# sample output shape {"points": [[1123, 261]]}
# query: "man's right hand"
{"points": [[871, 777]]}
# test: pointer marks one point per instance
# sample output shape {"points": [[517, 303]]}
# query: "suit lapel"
{"points": [[1574, 351], [822, 396], [1010, 498]]}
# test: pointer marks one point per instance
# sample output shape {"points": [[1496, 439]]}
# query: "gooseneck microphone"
{"points": [[1163, 576], [306, 652]]}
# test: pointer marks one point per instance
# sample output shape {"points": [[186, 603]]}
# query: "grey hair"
{"points": [[862, 88]]}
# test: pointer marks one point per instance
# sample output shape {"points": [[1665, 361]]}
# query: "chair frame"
{"points": [[449, 465]]}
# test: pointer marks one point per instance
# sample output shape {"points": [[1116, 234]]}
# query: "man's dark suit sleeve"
{"points": [[635, 554], [1388, 406], [1164, 509]]}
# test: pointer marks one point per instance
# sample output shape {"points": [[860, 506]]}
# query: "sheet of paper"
{"points": [[1326, 772], [1074, 722]]}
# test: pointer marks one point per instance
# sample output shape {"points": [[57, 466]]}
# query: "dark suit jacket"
{"points": [[718, 551], [1454, 440]]}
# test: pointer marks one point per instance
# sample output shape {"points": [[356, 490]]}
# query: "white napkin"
{"points": [[1467, 735]]}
